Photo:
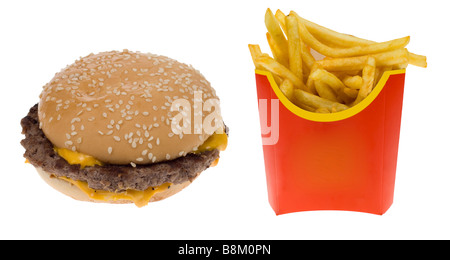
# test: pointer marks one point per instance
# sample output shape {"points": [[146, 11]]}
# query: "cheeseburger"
{"points": [[104, 128]]}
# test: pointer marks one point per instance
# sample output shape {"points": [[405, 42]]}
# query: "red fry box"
{"points": [[340, 161]]}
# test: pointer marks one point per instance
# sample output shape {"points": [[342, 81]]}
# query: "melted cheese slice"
{"points": [[215, 141], [140, 198], [77, 158]]}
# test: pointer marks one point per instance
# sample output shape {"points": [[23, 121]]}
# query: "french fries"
{"points": [[325, 91], [255, 51], [279, 40], [368, 77], [353, 82], [287, 88], [328, 78], [351, 51], [345, 74], [344, 40], [294, 46], [266, 62], [317, 102]]}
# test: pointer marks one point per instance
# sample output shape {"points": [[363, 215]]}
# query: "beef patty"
{"points": [[116, 178]]}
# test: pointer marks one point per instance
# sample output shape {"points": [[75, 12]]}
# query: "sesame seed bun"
{"points": [[116, 107]]}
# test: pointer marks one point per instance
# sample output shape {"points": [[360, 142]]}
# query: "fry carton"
{"points": [[337, 161]]}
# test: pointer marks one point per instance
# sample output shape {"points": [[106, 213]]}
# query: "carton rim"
{"points": [[331, 117]]}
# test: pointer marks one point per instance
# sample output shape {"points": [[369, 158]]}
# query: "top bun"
{"points": [[115, 106]]}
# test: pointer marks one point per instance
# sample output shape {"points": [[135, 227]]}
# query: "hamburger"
{"points": [[104, 129]]}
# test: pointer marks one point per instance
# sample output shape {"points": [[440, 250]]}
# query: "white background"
{"points": [[38, 38]]}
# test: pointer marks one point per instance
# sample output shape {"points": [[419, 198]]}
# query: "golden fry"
{"points": [[322, 110], [294, 45], [368, 80], [255, 51], [353, 82], [308, 59], [325, 34], [383, 59], [347, 95], [276, 51], [276, 68], [328, 78], [273, 27], [281, 18], [417, 60], [351, 93], [325, 91], [317, 102], [288, 89]]}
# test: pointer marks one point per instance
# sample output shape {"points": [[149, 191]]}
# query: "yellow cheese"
{"points": [[215, 141], [77, 158], [140, 198]]}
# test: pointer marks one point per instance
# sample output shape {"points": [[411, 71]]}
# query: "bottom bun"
{"points": [[73, 191]]}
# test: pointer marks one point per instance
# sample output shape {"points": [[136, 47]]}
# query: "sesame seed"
{"points": [[117, 138], [133, 164], [110, 150]]}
